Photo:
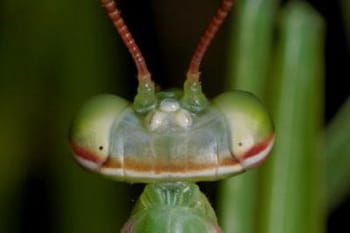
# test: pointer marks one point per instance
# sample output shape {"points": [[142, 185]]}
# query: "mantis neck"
{"points": [[163, 207]]}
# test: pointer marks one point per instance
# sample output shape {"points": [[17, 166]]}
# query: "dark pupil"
{"points": [[240, 143], [101, 148]]}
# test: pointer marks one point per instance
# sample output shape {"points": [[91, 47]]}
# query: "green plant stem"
{"points": [[250, 52], [292, 191], [251, 37], [337, 172]]}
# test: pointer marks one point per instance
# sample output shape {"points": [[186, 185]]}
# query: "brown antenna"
{"points": [[214, 25], [144, 76]]}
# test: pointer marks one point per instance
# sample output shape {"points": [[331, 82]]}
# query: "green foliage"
{"points": [[291, 198], [285, 195]]}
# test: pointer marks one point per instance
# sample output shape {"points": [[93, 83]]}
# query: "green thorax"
{"points": [[172, 207]]}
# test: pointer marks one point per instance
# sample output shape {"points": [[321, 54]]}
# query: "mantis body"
{"points": [[171, 139]]}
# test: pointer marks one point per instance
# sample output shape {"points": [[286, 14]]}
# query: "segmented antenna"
{"points": [[144, 75], [214, 25]]}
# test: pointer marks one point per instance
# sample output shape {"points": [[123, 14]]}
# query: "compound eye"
{"points": [[250, 125], [89, 134], [243, 144]]}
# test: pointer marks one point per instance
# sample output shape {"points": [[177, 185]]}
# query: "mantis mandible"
{"points": [[171, 139]]}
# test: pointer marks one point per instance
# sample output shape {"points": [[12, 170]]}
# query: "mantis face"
{"points": [[171, 136], [173, 139]]}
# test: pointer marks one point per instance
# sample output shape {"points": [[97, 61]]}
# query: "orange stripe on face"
{"points": [[143, 166], [163, 167]]}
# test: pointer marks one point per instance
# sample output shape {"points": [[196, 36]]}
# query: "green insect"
{"points": [[171, 137], [172, 207]]}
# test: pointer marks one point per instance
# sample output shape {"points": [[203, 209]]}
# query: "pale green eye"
{"points": [[89, 135], [251, 128]]}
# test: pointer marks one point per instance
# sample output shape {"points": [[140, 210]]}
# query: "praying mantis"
{"points": [[171, 139]]}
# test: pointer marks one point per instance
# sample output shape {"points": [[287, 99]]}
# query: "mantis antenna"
{"points": [[144, 76], [214, 25]]}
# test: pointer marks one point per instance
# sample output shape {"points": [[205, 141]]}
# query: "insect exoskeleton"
{"points": [[172, 207], [173, 140], [171, 136]]}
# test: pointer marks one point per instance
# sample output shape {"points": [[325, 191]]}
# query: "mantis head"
{"points": [[176, 136], [171, 136]]}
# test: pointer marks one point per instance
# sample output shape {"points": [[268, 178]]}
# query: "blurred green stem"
{"points": [[292, 191], [251, 41], [337, 172]]}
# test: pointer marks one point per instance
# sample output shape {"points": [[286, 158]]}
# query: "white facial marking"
{"points": [[87, 164], [156, 120], [169, 105], [232, 169], [183, 118]]}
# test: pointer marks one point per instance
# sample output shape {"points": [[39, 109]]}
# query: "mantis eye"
{"points": [[251, 128], [90, 131]]}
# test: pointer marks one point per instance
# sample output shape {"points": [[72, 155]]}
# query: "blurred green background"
{"points": [[56, 54]]}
